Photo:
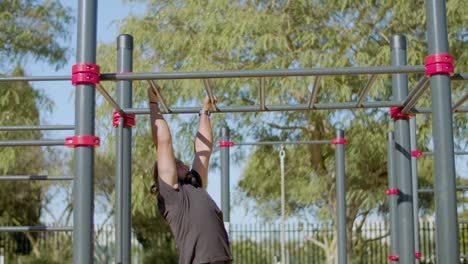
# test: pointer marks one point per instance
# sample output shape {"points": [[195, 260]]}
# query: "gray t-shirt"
{"points": [[196, 222]]}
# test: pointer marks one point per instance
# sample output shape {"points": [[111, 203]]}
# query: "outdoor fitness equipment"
{"points": [[86, 76]]}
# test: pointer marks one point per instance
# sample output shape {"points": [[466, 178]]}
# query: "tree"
{"points": [[33, 28], [30, 29], [18, 107], [220, 35]]}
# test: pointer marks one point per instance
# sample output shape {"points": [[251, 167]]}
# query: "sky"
{"points": [[109, 13]]}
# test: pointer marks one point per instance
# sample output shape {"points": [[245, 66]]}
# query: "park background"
{"points": [[110, 16]]}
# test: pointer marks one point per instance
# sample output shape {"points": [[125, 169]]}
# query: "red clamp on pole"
{"points": [[416, 153], [393, 257], [129, 119], [392, 191], [85, 73], [418, 255], [439, 64], [337, 141], [395, 113], [82, 141], [225, 143]]}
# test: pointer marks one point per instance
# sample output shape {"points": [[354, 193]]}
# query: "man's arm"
{"points": [[203, 143], [162, 141]]}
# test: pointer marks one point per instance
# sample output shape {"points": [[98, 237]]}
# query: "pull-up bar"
{"points": [[43, 142], [29, 128], [263, 73], [418, 153], [34, 177], [304, 142], [269, 108], [231, 74], [407, 104], [35, 229], [142, 76], [375, 72], [431, 190]]}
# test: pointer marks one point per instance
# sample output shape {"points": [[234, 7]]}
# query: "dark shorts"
{"points": [[221, 262]]}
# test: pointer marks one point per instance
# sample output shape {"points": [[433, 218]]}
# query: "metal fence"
{"points": [[250, 243]]}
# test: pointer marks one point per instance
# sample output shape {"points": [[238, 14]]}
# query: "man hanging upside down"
{"points": [[194, 218]]}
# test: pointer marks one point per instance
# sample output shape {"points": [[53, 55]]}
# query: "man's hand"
{"points": [[152, 96], [208, 104]]}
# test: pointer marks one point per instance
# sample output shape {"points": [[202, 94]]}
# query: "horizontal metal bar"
{"points": [[262, 73], [461, 76], [43, 142], [35, 78], [456, 153], [305, 142], [35, 229], [49, 127], [241, 74], [463, 222], [272, 108], [431, 190], [34, 177], [108, 98], [428, 110]]}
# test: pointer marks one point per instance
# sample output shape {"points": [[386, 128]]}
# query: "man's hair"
{"points": [[189, 178], [155, 187]]}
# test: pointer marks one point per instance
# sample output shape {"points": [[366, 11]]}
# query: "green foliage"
{"points": [[247, 250], [48, 258], [30, 29], [35, 28], [236, 35], [156, 239], [19, 105], [52, 248]]}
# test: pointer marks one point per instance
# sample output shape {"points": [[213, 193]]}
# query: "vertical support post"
{"points": [[403, 157], [225, 195], [83, 189], [392, 196], [447, 235], [341, 198], [124, 154], [283, 207], [119, 192], [414, 176]]}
